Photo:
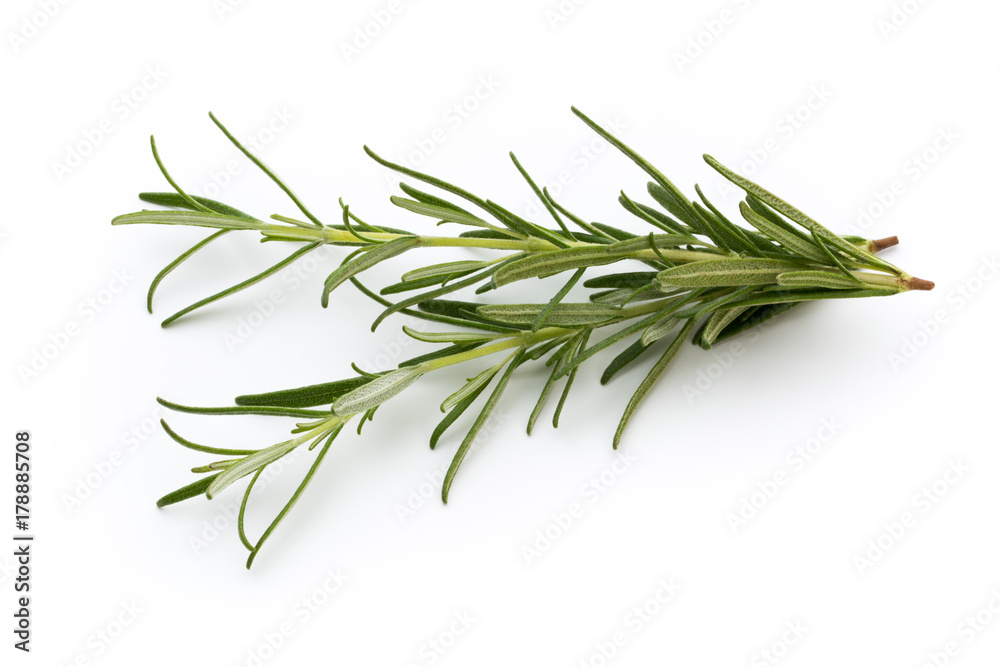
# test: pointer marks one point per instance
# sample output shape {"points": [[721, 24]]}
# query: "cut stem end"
{"points": [[881, 244], [919, 284]]}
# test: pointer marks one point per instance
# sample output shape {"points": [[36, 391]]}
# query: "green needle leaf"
{"points": [[629, 280], [669, 306], [455, 413], [652, 216], [428, 316], [202, 448], [470, 436], [698, 311], [665, 241], [295, 497], [376, 391], [177, 201], [241, 286], [549, 263], [187, 218], [413, 285], [263, 167], [718, 321], [801, 218], [769, 214], [559, 315], [579, 345], [367, 260], [447, 214], [433, 294], [240, 519], [460, 313], [473, 384], [647, 384], [835, 260], [347, 216], [556, 360], [189, 491], [755, 315], [734, 272], [177, 262], [576, 220], [678, 205], [625, 358], [303, 397], [448, 336], [428, 198], [438, 354], [522, 226], [614, 232], [559, 296], [658, 330], [192, 203], [752, 244], [809, 295], [247, 410], [444, 269], [250, 464], [538, 351], [684, 210], [436, 182], [787, 239], [541, 197], [624, 296], [825, 279]]}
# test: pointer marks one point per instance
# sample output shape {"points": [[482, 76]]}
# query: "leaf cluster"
{"points": [[694, 274]]}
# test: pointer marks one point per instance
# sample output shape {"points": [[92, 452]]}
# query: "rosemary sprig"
{"points": [[700, 276]]}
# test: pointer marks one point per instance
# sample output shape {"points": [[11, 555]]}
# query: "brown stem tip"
{"points": [[919, 284], [887, 242]]}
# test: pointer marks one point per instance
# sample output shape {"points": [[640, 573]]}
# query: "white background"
{"points": [[826, 104]]}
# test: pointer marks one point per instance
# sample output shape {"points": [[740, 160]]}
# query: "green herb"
{"points": [[695, 274]]}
